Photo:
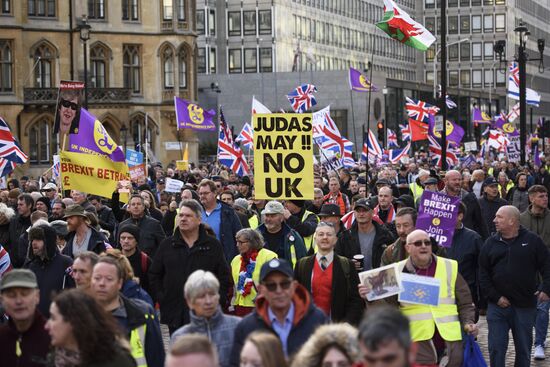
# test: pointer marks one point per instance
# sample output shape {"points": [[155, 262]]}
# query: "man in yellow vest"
{"points": [[302, 221], [438, 329]]}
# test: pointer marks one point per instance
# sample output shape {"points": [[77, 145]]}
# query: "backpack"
{"points": [[144, 262]]}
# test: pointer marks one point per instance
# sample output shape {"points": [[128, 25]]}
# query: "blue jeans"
{"points": [[541, 323], [521, 321]]}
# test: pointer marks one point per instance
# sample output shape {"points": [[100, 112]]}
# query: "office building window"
{"points": [[430, 24], [500, 2], [453, 24], [465, 78], [200, 22], [464, 3], [212, 22], [250, 60], [488, 23], [6, 6], [212, 61], [500, 23], [201, 60], [429, 76], [476, 78], [500, 77], [488, 51], [99, 60], [266, 60], [182, 68], [488, 2], [430, 53], [453, 52], [476, 23], [465, 51], [465, 24], [181, 10], [167, 9], [168, 67], [44, 71], [488, 77], [96, 9], [476, 51], [265, 21], [249, 21], [453, 78], [42, 141], [429, 4], [130, 9], [234, 23], [235, 61], [41, 8], [6, 66], [131, 58], [452, 3], [476, 2]]}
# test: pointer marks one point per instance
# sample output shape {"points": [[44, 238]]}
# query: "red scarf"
{"points": [[391, 214]]}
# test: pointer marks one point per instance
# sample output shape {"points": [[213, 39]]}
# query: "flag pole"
{"points": [[146, 142], [370, 63], [353, 121]]}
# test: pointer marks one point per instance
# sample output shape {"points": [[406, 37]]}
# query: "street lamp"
{"points": [[84, 29], [435, 63]]}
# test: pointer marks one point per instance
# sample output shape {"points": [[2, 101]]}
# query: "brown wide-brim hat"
{"points": [[75, 210]]}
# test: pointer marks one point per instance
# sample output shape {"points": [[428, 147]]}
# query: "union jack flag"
{"points": [[435, 149], [302, 99], [405, 132], [9, 147], [229, 154], [6, 167], [347, 158], [420, 110], [332, 139], [514, 73], [395, 155], [372, 146], [392, 138], [246, 137]]}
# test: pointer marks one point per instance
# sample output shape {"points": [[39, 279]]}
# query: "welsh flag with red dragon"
{"points": [[400, 26]]}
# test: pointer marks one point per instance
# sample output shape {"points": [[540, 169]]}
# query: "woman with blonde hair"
{"points": [[262, 349], [130, 286], [333, 345], [245, 269]]}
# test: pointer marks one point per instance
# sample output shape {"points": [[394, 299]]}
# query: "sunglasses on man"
{"points": [[69, 104], [419, 243], [273, 286]]}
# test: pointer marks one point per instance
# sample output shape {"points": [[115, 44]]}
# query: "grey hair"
{"points": [[198, 282], [192, 204], [318, 190], [383, 325], [6, 211], [325, 224], [255, 238]]}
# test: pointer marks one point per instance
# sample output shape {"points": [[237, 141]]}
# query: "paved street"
{"points": [[482, 340]]}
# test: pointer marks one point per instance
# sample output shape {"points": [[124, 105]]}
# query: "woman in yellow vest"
{"points": [[245, 269]]}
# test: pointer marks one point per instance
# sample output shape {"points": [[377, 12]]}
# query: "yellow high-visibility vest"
{"points": [[423, 318], [308, 241], [137, 344]]}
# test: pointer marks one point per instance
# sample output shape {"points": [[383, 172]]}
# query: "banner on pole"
{"points": [[94, 174], [283, 156], [133, 157], [437, 215]]}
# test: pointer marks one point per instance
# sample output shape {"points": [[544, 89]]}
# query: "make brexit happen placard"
{"points": [[437, 215], [283, 156]]}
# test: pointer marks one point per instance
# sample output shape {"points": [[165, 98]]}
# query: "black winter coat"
{"points": [[151, 233], [172, 265], [18, 225], [96, 244], [489, 210]]}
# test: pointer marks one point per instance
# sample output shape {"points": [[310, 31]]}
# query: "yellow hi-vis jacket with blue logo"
{"points": [[424, 318], [308, 241]]}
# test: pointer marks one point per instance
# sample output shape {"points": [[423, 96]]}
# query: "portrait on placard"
{"points": [[381, 282], [69, 102]]}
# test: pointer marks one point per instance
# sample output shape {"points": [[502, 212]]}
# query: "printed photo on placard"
{"points": [[381, 282], [69, 101], [419, 289]]}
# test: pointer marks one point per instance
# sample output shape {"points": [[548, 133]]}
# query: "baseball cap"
{"points": [[273, 207], [490, 181], [276, 265], [430, 181], [383, 181], [49, 186], [364, 203], [18, 278]]}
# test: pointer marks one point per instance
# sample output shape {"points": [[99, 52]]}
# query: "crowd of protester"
{"points": [[242, 281]]}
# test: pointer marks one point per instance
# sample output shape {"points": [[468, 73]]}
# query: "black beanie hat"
{"points": [[298, 203], [129, 228]]}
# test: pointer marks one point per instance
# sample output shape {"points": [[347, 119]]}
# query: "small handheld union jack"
{"points": [[302, 99], [420, 110], [246, 137], [230, 155], [405, 132], [392, 139]]}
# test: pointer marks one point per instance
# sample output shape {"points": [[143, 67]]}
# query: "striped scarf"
{"points": [[248, 264]]}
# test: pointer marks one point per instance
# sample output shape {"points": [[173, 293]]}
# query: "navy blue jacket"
{"points": [[307, 318], [229, 226], [465, 250], [511, 269]]}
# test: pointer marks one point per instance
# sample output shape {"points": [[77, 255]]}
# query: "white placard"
{"points": [[172, 145], [470, 146], [173, 185], [438, 123]]}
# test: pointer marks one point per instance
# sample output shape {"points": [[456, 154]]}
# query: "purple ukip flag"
{"points": [[437, 215], [92, 138], [455, 132], [192, 116], [360, 83]]}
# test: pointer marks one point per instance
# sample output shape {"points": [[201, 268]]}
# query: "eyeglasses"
{"points": [[419, 243], [69, 104], [239, 242], [204, 193], [272, 287]]}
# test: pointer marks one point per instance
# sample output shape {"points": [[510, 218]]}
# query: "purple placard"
{"points": [[437, 215]]}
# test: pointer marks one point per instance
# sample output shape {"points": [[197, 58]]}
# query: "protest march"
{"points": [[300, 242]]}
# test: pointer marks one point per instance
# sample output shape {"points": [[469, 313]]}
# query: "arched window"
{"points": [[137, 129], [42, 141], [44, 72], [132, 67], [6, 66], [99, 59], [182, 68], [168, 67]]}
